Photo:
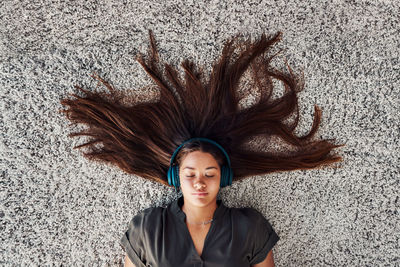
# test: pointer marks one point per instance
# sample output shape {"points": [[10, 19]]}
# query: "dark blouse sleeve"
{"points": [[265, 238], [133, 240]]}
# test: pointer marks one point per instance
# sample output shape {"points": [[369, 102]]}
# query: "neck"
{"points": [[197, 214]]}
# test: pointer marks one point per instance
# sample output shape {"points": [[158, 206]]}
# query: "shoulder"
{"points": [[249, 215], [138, 237], [254, 220], [147, 216], [260, 235]]}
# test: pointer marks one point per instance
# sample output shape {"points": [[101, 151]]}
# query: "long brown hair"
{"points": [[141, 137]]}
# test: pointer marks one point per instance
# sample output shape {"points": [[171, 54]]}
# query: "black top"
{"points": [[237, 237]]}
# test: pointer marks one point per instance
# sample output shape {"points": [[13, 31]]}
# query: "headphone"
{"points": [[226, 170]]}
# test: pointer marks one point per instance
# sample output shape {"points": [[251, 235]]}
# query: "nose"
{"points": [[199, 185]]}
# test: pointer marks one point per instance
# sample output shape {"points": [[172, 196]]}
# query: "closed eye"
{"points": [[206, 176]]}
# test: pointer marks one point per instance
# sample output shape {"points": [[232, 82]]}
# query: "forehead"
{"points": [[199, 158]]}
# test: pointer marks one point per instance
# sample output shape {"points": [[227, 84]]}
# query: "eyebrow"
{"points": [[194, 168]]}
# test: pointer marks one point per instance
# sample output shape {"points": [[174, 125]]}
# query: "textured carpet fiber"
{"points": [[57, 208]]}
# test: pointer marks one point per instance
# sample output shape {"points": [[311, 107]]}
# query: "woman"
{"points": [[197, 229], [201, 124]]}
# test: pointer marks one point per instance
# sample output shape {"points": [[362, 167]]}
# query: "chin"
{"points": [[201, 201]]}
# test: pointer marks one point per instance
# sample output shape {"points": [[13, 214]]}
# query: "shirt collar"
{"points": [[176, 208]]}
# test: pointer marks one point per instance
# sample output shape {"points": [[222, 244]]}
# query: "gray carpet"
{"points": [[59, 208]]}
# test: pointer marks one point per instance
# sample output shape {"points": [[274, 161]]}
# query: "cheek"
{"points": [[216, 184], [185, 183]]}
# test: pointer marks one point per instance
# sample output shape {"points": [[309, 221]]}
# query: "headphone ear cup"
{"points": [[223, 176], [169, 175], [229, 176], [226, 176], [176, 176]]}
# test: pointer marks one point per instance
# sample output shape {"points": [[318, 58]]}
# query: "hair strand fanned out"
{"points": [[141, 138]]}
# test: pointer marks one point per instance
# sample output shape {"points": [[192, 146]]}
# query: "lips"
{"points": [[200, 194]]}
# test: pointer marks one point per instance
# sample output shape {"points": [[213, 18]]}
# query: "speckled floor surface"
{"points": [[58, 208]]}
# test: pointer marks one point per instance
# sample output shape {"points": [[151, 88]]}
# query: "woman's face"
{"points": [[200, 177]]}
